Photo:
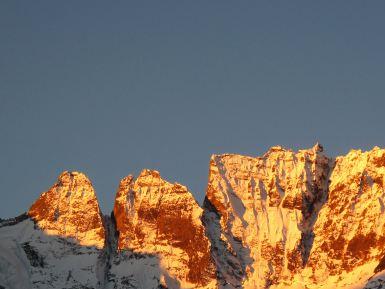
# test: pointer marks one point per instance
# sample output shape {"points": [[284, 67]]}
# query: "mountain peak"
{"points": [[70, 209], [318, 147], [156, 217]]}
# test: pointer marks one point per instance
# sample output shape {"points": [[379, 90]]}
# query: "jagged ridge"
{"points": [[284, 220]]}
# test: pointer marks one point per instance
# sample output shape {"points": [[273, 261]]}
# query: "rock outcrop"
{"points": [[156, 217], [70, 209]]}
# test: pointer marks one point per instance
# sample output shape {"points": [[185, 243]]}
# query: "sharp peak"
{"points": [[127, 179], [318, 147]]}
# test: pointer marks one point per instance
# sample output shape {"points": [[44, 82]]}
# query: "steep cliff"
{"points": [[162, 219], [70, 209], [349, 243], [297, 220], [260, 213]]}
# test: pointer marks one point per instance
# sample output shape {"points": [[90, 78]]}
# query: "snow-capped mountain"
{"points": [[283, 220]]}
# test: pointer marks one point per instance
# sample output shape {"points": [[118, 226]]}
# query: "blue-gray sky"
{"points": [[111, 88]]}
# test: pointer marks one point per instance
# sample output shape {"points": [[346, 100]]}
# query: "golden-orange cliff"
{"points": [[70, 209], [154, 216], [349, 242]]}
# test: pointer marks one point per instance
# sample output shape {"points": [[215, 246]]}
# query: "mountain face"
{"points": [[260, 213], [283, 220], [70, 209], [162, 219], [349, 240]]}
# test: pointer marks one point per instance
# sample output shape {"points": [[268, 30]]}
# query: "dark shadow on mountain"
{"points": [[311, 204], [377, 282], [146, 267], [230, 269], [13, 221], [58, 262]]}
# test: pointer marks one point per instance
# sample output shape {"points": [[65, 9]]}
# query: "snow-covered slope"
{"points": [[59, 243], [283, 220], [29, 258]]}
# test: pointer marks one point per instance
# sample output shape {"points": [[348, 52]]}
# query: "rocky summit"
{"points": [[282, 220], [70, 209], [156, 217]]}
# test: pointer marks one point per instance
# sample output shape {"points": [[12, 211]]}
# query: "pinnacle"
{"points": [[318, 147], [126, 180]]}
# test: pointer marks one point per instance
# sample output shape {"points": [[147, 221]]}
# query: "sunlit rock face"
{"points": [[283, 220], [260, 212], [156, 217], [70, 209], [298, 220], [349, 244]]}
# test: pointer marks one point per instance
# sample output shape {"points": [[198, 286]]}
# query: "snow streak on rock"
{"points": [[259, 214], [349, 243]]}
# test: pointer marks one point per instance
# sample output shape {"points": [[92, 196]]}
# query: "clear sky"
{"points": [[111, 88]]}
